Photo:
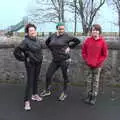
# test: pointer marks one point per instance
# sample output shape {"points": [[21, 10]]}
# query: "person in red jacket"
{"points": [[94, 53]]}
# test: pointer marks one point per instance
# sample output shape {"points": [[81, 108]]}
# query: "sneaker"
{"points": [[27, 106], [36, 98], [45, 93], [62, 96], [93, 100], [87, 100]]}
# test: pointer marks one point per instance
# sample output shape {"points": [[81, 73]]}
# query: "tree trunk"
{"points": [[85, 30], [62, 11], [119, 22], [75, 25]]}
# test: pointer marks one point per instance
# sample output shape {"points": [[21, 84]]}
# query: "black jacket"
{"points": [[58, 45], [30, 49]]}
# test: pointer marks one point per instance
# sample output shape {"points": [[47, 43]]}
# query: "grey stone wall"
{"points": [[12, 70]]}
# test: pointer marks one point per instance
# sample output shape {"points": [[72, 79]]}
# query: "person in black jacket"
{"points": [[30, 52], [59, 44]]}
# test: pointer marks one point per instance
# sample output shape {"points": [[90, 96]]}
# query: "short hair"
{"points": [[28, 26], [59, 24], [97, 27]]}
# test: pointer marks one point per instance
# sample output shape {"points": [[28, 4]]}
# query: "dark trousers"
{"points": [[33, 71], [53, 67]]}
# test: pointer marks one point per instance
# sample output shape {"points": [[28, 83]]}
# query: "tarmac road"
{"points": [[73, 108]]}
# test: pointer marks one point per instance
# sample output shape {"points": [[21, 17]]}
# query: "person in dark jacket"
{"points": [[59, 44], [94, 52], [30, 52]]}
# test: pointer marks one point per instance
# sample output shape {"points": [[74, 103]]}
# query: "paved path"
{"points": [[73, 108]]}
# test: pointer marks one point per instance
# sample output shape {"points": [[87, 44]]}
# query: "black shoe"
{"points": [[93, 100], [87, 100], [89, 97]]}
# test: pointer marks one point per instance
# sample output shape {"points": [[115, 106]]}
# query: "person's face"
{"points": [[32, 32], [95, 33], [61, 30]]}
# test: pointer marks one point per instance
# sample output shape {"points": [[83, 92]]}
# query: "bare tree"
{"points": [[48, 11], [54, 11], [116, 5], [58, 7], [87, 10]]}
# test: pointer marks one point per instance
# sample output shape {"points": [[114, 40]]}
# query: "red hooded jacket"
{"points": [[94, 52]]}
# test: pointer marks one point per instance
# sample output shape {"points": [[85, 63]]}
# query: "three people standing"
{"points": [[94, 53]]}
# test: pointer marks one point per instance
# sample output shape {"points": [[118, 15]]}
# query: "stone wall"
{"points": [[12, 70]]}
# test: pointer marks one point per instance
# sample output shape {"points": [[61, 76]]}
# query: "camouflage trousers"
{"points": [[92, 80]]}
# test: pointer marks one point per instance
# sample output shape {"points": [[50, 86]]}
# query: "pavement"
{"points": [[73, 108]]}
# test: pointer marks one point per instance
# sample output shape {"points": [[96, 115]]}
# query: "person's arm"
{"points": [[84, 50], [19, 51], [104, 53], [73, 42], [48, 41]]}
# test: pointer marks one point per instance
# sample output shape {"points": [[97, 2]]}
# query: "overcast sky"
{"points": [[12, 12]]}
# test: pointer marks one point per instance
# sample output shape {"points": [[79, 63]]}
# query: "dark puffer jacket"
{"points": [[30, 49]]}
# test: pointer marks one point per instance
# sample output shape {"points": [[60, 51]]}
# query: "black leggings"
{"points": [[53, 67], [33, 71]]}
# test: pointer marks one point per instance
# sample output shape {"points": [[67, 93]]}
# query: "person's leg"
{"points": [[30, 70], [35, 95], [64, 68], [95, 84], [88, 84], [50, 72], [36, 77]]}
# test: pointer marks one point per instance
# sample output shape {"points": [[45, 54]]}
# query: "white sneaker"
{"points": [[36, 98], [27, 106], [62, 96], [45, 93]]}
